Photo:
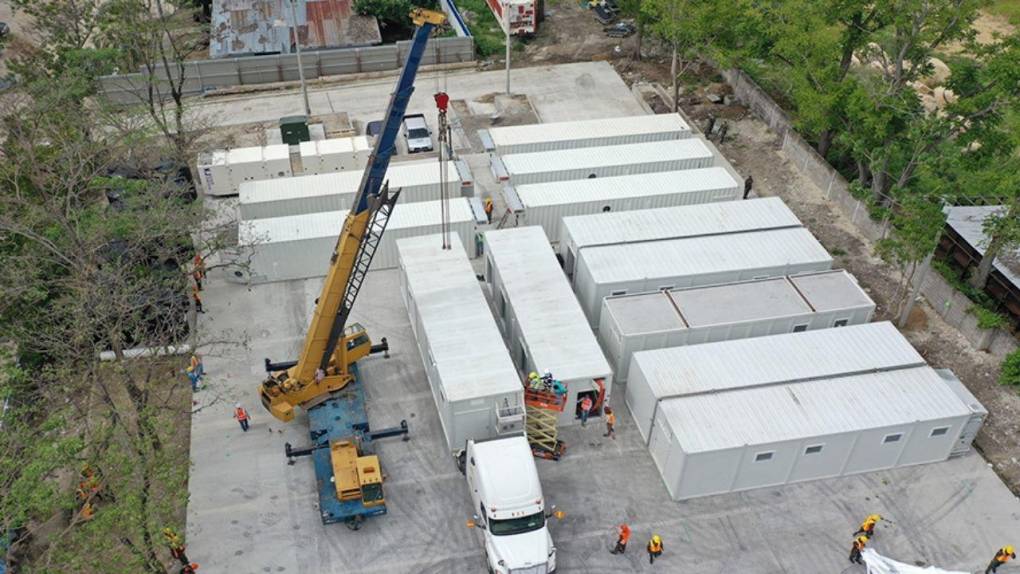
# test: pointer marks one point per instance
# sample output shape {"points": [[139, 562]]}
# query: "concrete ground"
{"points": [[251, 512]]}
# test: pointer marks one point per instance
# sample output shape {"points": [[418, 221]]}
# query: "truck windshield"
{"points": [[418, 134], [517, 525]]}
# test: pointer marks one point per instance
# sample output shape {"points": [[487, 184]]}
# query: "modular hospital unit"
{"points": [[692, 262], [539, 167], [677, 317], [540, 318], [221, 171], [588, 133], [332, 155], [298, 246], [618, 226], [711, 367], [475, 386]]}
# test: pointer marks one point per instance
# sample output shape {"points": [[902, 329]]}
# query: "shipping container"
{"points": [[476, 388], [610, 227], [333, 155], [540, 318], [221, 171], [756, 308], [418, 181], [759, 437], [661, 374], [608, 161], [693, 262], [299, 246], [588, 133]]}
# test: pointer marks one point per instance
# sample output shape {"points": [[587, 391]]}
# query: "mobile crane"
{"points": [[324, 379]]}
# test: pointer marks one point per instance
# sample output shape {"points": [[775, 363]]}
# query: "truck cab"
{"points": [[509, 507], [417, 133]]}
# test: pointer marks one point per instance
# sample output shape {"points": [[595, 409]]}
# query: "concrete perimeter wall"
{"points": [[947, 301], [203, 75]]}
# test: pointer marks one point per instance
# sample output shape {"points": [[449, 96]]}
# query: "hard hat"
{"points": [[532, 375], [656, 539], [547, 372], [1008, 549], [168, 531]]}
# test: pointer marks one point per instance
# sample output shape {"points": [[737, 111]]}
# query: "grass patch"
{"points": [[1010, 374], [1008, 9], [484, 27]]}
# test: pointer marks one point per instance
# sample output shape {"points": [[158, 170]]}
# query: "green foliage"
{"points": [[723, 30], [1010, 374], [392, 12], [488, 34], [987, 319], [915, 228]]}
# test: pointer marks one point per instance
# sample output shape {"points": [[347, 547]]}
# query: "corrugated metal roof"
{"points": [[587, 129], [399, 175], [669, 222], [549, 316], [702, 255], [968, 221], [466, 345], [594, 157], [624, 186], [768, 415], [245, 27], [329, 223], [825, 353]]}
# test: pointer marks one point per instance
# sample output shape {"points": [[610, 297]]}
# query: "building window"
{"points": [[813, 449], [841, 323], [800, 328], [939, 431], [615, 293], [763, 456], [606, 209], [895, 437]]}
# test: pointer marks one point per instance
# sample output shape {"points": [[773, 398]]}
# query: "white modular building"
{"points": [[615, 226], [476, 388], [756, 308], [693, 262], [767, 436], [299, 246], [332, 155], [548, 204], [588, 133], [417, 181], [540, 318], [220, 172], [662, 374], [608, 161]]}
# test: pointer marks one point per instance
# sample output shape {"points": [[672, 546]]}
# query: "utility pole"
{"points": [[506, 17], [301, 69]]}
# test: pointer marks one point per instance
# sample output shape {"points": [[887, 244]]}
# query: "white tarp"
{"points": [[878, 564]]}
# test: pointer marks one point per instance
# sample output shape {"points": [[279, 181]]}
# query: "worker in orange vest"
{"points": [[654, 548], [855, 551], [488, 209], [177, 548], [198, 270], [622, 539], [1001, 557], [196, 298], [242, 416], [586, 405], [189, 568], [610, 424]]}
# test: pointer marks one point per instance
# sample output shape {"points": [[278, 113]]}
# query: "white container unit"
{"points": [[299, 246], [693, 262], [768, 436], [477, 390], [618, 226], [609, 161], [588, 133], [332, 155], [540, 318], [712, 367], [221, 171], [678, 317], [418, 181]]}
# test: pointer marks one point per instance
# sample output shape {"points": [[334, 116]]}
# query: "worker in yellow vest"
{"points": [[858, 546], [610, 423], [868, 526], [654, 548], [1001, 557]]}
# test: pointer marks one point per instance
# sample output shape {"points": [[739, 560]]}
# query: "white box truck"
{"points": [[509, 506]]}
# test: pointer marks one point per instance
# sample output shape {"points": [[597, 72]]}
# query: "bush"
{"points": [[1011, 369], [987, 319]]}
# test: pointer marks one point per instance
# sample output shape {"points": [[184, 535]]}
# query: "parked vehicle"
{"points": [[523, 16], [619, 30], [417, 133]]}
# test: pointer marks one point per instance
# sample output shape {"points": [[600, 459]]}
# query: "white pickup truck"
{"points": [[511, 512], [417, 134]]}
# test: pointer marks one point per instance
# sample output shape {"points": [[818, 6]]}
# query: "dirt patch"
{"points": [[570, 33], [754, 150]]}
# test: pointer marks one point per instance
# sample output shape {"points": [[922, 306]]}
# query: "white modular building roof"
{"points": [[765, 415], [686, 151], [465, 343], [548, 315], [791, 357], [702, 255], [664, 222], [624, 186], [557, 134]]}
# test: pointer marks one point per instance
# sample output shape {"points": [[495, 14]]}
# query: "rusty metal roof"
{"points": [[251, 27]]}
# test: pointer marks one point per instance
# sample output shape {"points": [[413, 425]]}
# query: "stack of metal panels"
{"points": [[588, 133]]}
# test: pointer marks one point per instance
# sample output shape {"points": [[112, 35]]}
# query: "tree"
{"points": [[1002, 228], [916, 227]]}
